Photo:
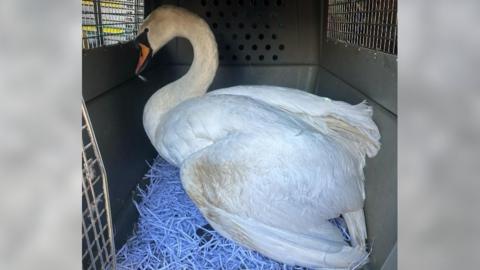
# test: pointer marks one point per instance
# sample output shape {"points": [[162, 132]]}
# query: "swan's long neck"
{"points": [[195, 82]]}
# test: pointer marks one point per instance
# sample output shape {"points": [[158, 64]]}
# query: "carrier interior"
{"points": [[297, 44]]}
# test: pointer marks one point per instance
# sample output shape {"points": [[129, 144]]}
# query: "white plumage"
{"points": [[267, 166]]}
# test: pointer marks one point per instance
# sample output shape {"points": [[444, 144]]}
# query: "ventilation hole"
{"points": [[274, 57], [261, 57], [234, 57], [240, 47], [214, 25], [247, 57], [260, 36], [254, 47], [274, 36], [220, 14], [227, 47], [234, 36], [266, 3], [234, 14], [254, 26], [240, 2], [227, 25], [215, 2], [247, 36], [240, 25], [267, 26], [229, 3], [279, 2], [208, 14], [281, 47], [204, 2], [267, 47]]}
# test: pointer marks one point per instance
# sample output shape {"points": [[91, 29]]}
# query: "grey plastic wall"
{"points": [[115, 98], [354, 74], [380, 172]]}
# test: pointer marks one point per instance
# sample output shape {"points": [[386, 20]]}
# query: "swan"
{"points": [[267, 166]]}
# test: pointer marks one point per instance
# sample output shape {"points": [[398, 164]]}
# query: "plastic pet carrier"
{"points": [[339, 49]]}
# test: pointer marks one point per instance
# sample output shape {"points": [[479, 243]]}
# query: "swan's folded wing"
{"points": [[269, 197], [352, 124]]}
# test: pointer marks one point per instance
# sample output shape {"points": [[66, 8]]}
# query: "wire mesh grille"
{"points": [[108, 22], [370, 24], [98, 250]]}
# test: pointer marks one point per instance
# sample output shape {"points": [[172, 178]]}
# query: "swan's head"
{"points": [[163, 24]]}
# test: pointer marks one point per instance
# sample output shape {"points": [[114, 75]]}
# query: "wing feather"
{"points": [[264, 203], [353, 124]]}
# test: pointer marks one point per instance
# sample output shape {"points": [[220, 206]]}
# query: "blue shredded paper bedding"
{"points": [[172, 234]]}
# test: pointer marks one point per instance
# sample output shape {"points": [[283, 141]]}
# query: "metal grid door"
{"points": [[370, 24], [98, 248], [108, 22]]}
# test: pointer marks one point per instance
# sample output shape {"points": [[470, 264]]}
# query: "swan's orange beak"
{"points": [[145, 55]]}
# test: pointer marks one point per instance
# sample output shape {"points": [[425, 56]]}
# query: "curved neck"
{"points": [[195, 82], [205, 61]]}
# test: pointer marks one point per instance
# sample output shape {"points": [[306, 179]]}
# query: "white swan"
{"points": [[267, 166]]}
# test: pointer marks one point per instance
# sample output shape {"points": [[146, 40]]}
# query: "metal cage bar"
{"points": [[108, 22], [98, 247], [370, 24]]}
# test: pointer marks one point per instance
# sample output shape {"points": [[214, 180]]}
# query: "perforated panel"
{"points": [[245, 32], [255, 32], [370, 24]]}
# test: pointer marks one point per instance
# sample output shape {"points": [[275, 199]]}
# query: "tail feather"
{"points": [[356, 227], [354, 124]]}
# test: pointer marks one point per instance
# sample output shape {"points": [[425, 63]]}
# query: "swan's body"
{"points": [[267, 166]]}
